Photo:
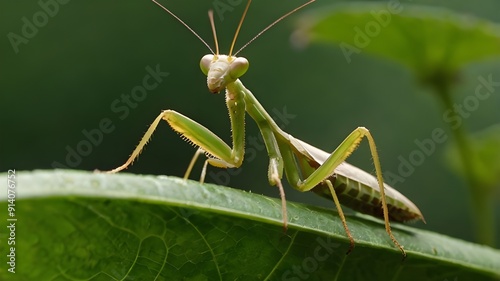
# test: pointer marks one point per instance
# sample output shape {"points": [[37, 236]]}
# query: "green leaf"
{"points": [[75, 225], [435, 43], [486, 156]]}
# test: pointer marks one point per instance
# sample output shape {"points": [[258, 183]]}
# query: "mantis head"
{"points": [[222, 70]]}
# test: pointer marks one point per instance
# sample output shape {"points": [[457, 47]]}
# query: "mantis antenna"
{"points": [[187, 26], [239, 27], [212, 23], [211, 16], [272, 24]]}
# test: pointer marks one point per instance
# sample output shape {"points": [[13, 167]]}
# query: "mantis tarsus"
{"points": [[307, 168]]}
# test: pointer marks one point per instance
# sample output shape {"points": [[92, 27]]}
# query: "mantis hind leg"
{"points": [[323, 172], [341, 214]]}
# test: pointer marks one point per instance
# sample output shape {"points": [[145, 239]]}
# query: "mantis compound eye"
{"points": [[238, 67], [205, 62]]}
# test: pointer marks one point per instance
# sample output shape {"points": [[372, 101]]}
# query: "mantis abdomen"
{"points": [[363, 195]]}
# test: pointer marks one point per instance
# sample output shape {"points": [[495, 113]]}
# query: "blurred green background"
{"points": [[76, 68]]}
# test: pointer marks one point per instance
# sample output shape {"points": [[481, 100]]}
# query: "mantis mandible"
{"points": [[307, 168]]}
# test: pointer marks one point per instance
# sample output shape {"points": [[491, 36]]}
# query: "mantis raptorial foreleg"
{"points": [[219, 153], [223, 155]]}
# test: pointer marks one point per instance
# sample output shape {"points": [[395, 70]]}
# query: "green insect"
{"points": [[307, 168]]}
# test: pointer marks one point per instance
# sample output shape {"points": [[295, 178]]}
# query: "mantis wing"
{"points": [[359, 188]]}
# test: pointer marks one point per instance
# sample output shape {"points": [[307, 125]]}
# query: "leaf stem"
{"points": [[482, 203]]}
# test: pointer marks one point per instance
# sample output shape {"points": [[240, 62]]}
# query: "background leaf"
{"points": [[432, 42], [84, 226]]}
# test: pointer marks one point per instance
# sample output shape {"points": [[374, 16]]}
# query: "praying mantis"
{"points": [[307, 168]]}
